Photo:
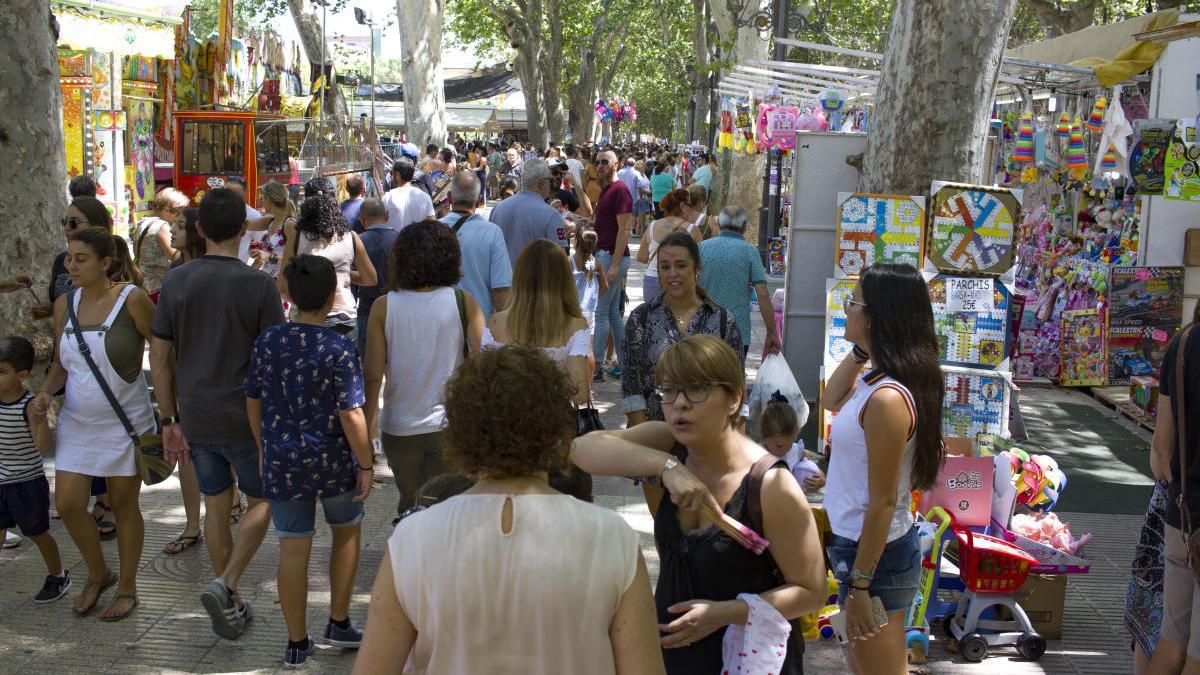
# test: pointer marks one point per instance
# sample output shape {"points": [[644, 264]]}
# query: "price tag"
{"points": [[1160, 335], [1141, 274], [969, 295]]}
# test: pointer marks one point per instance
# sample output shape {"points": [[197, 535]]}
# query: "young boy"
{"points": [[24, 491], [304, 397]]}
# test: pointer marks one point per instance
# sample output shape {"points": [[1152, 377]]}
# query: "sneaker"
{"points": [[227, 621], [11, 540], [294, 657], [598, 376], [343, 637], [615, 372], [54, 588]]}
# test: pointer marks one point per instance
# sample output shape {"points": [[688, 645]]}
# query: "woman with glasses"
{"points": [[887, 440], [682, 309], [702, 466]]}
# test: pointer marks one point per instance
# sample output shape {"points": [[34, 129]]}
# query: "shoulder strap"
{"points": [[87, 356], [1178, 391], [754, 496], [137, 248], [462, 221], [462, 318], [724, 316]]}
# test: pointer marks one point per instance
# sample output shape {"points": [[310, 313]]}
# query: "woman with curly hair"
{"points": [[322, 230], [467, 586], [417, 335]]}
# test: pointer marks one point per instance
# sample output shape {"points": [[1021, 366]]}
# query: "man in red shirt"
{"points": [[613, 220]]}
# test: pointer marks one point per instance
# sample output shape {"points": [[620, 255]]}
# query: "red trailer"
{"points": [[212, 146]]}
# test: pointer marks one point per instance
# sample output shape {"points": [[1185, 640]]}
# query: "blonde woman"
{"points": [[152, 239], [545, 313], [675, 208], [266, 237]]}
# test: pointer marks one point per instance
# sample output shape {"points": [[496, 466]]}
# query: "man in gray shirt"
{"points": [[526, 216], [210, 311]]}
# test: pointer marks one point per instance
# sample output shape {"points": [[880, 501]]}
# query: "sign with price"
{"points": [[965, 294]]}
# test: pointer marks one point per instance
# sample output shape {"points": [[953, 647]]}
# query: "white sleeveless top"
{"points": [[652, 266], [846, 491], [579, 344], [486, 601], [340, 252], [424, 347]]}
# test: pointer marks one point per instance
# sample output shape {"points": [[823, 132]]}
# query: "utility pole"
{"points": [[768, 217], [363, 19]]}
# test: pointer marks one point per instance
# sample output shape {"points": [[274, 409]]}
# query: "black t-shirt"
{"points": [[569, 200], [60, 279], [1167, 387]]}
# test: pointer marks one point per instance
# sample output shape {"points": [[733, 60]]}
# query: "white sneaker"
{"points": [[11, 540], [377, 447]]}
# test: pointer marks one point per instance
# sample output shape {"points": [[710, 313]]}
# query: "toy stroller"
{"points": [[992, 571], [917, 635]]}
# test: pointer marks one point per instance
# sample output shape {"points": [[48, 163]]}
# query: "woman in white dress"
{"points": [[545, 314], [114, 316]]}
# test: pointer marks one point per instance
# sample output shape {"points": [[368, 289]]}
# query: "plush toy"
{"points": [[1109, 161], [1063, 130], [1047, 529], [1076, 150], [1095, 121], [1023, 150]]}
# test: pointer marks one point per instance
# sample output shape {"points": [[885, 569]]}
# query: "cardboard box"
{"points": [[1143, 393], [1191, 254], [1044, 599], [964, 489], [959, 447]]}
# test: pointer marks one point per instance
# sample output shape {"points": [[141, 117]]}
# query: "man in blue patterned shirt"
{"points": [[730, 267]]}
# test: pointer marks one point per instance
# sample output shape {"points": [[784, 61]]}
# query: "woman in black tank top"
{"points": [[702, 465]]}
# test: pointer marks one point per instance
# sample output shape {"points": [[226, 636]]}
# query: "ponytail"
{"points": [[104, 244], [586, 243]]}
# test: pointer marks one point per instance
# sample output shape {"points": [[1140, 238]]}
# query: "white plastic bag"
{"points": [[775, 376]]}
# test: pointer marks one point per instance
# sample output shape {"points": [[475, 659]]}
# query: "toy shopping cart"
{"points": [[916, 636], [992, 571]]}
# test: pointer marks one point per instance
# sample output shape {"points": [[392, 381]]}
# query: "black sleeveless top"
{"points": [[706, 564]]}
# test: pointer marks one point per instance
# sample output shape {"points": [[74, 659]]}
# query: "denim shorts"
{"points": [[896, 573], [213, 460], [299, 518]]}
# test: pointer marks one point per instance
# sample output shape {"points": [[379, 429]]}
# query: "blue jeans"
{"points": [[608, 309], [213, 460], [896, 574], [299, 518]]}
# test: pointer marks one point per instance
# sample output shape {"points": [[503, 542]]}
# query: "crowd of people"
{"points": [[291, 350]]}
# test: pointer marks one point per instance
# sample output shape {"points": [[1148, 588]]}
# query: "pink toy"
{"points": [[1046, 528]]}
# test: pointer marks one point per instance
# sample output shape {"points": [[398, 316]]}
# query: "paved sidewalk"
{"points": [[170, 631]]}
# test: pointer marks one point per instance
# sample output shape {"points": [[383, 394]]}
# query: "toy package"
{"points": [[878, 229], [1083, 354], [970, 317], [1181, 168], [1143, 394], [1147, 159]]}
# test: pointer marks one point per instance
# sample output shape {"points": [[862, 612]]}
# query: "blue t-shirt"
{"points": [[524, 217], [304, 375], [377, 241], [485, 264], [703, 176], [729, 267], [660, 185], [350, 209]]}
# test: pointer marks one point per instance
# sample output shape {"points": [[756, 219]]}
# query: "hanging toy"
{"points": [[602, 111], [1023, 150], [1076, 152], [1063, 130], [831, 100], [1109, 161], [725, 138], [1095, 121]]}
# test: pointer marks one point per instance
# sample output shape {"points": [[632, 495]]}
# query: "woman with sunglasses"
{"points": [[889, 431], [702, 466]]}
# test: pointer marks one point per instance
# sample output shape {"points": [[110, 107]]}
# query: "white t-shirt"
{"points": [[407, 205], [424, 347], [576, 168]]}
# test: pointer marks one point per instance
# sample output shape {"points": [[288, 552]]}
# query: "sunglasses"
{"points": [[602, 162], [72, 223], [850, 302]]}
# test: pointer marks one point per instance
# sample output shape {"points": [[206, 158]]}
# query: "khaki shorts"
{"points": [[1181, 601]]}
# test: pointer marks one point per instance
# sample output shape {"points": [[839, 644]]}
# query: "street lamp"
{"points": [[361, 17]]}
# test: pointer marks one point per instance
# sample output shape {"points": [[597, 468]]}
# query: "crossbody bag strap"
{"points": [[461, 302], [87, 357], [1178, 394], [462, 221], [754, 497]]}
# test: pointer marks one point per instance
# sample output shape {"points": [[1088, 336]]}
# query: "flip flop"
{"points": [[181, 543], [118, 598], [103, 586]]}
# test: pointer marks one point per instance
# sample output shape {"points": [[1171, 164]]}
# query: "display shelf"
{"points": [[1118, 399]]}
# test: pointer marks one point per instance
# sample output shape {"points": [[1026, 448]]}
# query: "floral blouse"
{"points": [[649, 330]]}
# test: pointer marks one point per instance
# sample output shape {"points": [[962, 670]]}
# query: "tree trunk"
{"points": [[530, 73], [308, 24], [912, 143], [583, 99], [700, 74], [32, 165], [740, 176], [552, 62], [424, 93], [524, 28]]}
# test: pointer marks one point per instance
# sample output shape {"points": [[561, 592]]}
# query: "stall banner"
{"points": [[776, 266], [1147, 159], [1181, 167], [139, 153], [837, 292], [1083, 354], [973, 228], [970, 317], [878, 229], [976, 402], [115, 35]]}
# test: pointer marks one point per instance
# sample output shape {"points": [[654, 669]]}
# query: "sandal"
{"points": [[121, 617], [236, 513], [108, 529], [102, 585], [181, 543]]}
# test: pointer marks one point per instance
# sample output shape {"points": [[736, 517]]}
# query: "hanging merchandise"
{"points": [[1076, 150], [602, 111], [1095, 121], [1147, 159], [743, 137], [1063, 130], [1023, 150], [831, 100], [725, 138], [1109, 161], [1182, 165], [1115, 137], [777, 126]]}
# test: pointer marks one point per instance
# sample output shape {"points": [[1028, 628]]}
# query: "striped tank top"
{"points": [[19, 459]]}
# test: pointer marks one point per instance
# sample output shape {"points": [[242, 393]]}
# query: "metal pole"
{"points": [[321, 102], [768, 220], [371, 26]]}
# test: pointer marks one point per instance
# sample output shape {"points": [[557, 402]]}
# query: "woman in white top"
{"points": [[113, 319], [417, 335], [511, 577], [673, 220], [544, 313], [888, 429], [322, 230], [694, 212], [152, 241]]}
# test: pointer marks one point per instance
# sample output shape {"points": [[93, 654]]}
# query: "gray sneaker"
{"points": [[227, 621], [11, 540]]}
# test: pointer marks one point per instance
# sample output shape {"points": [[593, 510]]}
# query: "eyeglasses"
{"points": [[849, 302], [72, 223], [694, 393], [602, 162]]}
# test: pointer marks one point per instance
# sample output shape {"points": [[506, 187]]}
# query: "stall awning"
{"points": [[1110, 50], [458, 117], [476, 86]]}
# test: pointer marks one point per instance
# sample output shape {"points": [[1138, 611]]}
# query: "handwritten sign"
{"points": [[969, 295]]}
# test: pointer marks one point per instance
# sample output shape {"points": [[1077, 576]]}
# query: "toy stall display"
{"points": [[837, 293], [141, 102], [970, 316], [976, 402], [1181, 167], [878, 229], [1083, 348], [1146, 310], [75, 78], [973, 228]]}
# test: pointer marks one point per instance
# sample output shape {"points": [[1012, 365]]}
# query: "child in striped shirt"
{"points": [[24, 490]]}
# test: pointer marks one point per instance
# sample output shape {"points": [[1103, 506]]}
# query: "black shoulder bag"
{"points": [[1191, 536]]}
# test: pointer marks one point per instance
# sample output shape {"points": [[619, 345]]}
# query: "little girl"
{"points": [[780, 428], [588, 283]]}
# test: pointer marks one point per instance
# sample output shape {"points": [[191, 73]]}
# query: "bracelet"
{"points": [[859, 355], [366, 468], [855, 575]]}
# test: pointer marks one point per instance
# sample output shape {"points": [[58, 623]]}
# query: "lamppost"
{"points": [[361, 17]]}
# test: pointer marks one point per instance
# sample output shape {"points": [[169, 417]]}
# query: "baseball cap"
{"points": [[554, 161], [409, 150]]}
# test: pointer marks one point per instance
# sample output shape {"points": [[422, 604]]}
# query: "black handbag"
{"points": [[587, 419]]}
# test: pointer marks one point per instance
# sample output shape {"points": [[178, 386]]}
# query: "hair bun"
{"points": [[779, 397]]}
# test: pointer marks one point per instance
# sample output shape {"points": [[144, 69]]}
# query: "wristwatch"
{"points": [[169, 420], [668, 465]]}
